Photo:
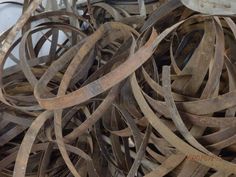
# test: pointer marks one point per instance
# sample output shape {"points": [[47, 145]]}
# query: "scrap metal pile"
{"points": [[137, 88]]}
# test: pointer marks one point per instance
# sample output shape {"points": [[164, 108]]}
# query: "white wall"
{"points": [[9, 13]]}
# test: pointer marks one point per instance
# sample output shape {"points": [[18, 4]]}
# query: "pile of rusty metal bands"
{"points": [[124, 94]]}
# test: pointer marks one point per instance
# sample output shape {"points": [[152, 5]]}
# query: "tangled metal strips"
{"points": [[125, 93]]}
